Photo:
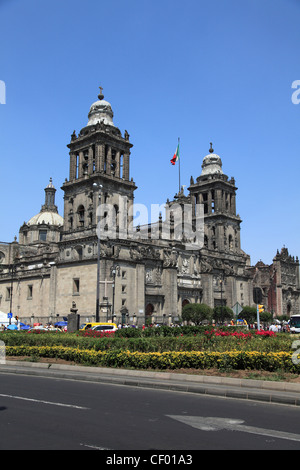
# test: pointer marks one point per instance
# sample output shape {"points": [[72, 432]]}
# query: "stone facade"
{"points": [[279, 283], [145, 273]]}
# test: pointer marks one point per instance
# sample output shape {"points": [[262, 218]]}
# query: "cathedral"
{"points": [[94, 261]]}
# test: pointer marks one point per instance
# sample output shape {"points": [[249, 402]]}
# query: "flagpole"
{"points": [[179, 164]]}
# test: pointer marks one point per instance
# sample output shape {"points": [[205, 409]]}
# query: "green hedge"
{"points": [[195, 342]]}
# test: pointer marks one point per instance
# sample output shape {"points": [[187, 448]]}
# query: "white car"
{"points": [[108, 328]]}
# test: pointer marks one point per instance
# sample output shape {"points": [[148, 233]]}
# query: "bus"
{"points": [[295, 324]]}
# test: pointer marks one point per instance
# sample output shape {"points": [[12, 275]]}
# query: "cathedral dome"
{"points": [[45, 217], [100, 111], [47, 225], [48, 213], [212, 164]]}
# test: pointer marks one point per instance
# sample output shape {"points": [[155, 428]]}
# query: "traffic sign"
{"points": [[9, 315], [237, 308]]}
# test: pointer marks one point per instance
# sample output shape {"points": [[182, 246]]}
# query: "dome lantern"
{"points": [[100, 111], [212, 163]]}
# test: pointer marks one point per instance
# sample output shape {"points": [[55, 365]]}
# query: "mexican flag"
{"points": [[176, 156]]}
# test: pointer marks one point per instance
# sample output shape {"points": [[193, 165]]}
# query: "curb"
{"points": [[250, 389]]}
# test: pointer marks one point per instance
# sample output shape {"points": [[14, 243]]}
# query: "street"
{"points": [[56, 414]]}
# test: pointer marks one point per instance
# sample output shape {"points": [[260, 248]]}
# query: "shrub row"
{"points": [[198, 342], [167, 360]]}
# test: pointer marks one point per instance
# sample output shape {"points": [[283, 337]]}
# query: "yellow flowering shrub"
{"points": [[268, 361]]}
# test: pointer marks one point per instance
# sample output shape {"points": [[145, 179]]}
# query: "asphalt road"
{"points": [[57, 414]]}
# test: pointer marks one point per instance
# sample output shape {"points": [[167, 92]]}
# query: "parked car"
{"points": [[101, 325], [108, 327]]}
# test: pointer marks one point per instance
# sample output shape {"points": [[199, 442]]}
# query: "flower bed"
{"points": [[194, 347], [254, 360], [240, 334], [206, 340]]}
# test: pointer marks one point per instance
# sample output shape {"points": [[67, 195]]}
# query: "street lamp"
{"points": [[12, 267], [113, 273], [221, 279], [99, 187]]}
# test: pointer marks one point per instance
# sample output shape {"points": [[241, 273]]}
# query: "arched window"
{"points": [[78, 252], [149, 310], [121, 166], [80, 212]]}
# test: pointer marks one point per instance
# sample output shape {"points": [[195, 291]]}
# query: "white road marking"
{"points": [[45, 402], [90, 446], [216, 424]]}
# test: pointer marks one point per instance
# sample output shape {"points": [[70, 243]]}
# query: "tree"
{"points": [[249, 314], [222, 313], [196, 313], [266, 317]]}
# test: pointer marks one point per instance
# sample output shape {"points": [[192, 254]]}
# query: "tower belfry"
{"points": [[217, 193], [99, 156]]}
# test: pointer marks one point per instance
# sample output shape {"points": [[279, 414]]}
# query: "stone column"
{"points": [[118, 156], [73, 161], [126, 166], [80, 165], [218, 200], [224, 201], [97, 157], [90, 161], [101, 157], [108, 161], [233, 204], [220, 236], [170, 291]]}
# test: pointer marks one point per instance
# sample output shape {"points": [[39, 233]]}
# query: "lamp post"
{"points": [[98, 186], [113, 273], [11, 292], [221, 279]]}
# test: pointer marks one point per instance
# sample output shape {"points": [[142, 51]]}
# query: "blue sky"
{"points": [[205, 71]]}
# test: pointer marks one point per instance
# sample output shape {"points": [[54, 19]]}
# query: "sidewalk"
{"points": [[249, 389]]}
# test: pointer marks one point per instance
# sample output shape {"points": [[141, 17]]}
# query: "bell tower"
{"points": [[99, 165], [217, 193]]}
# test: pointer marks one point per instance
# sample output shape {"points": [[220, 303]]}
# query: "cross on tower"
{"points": [[100, 96]]}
